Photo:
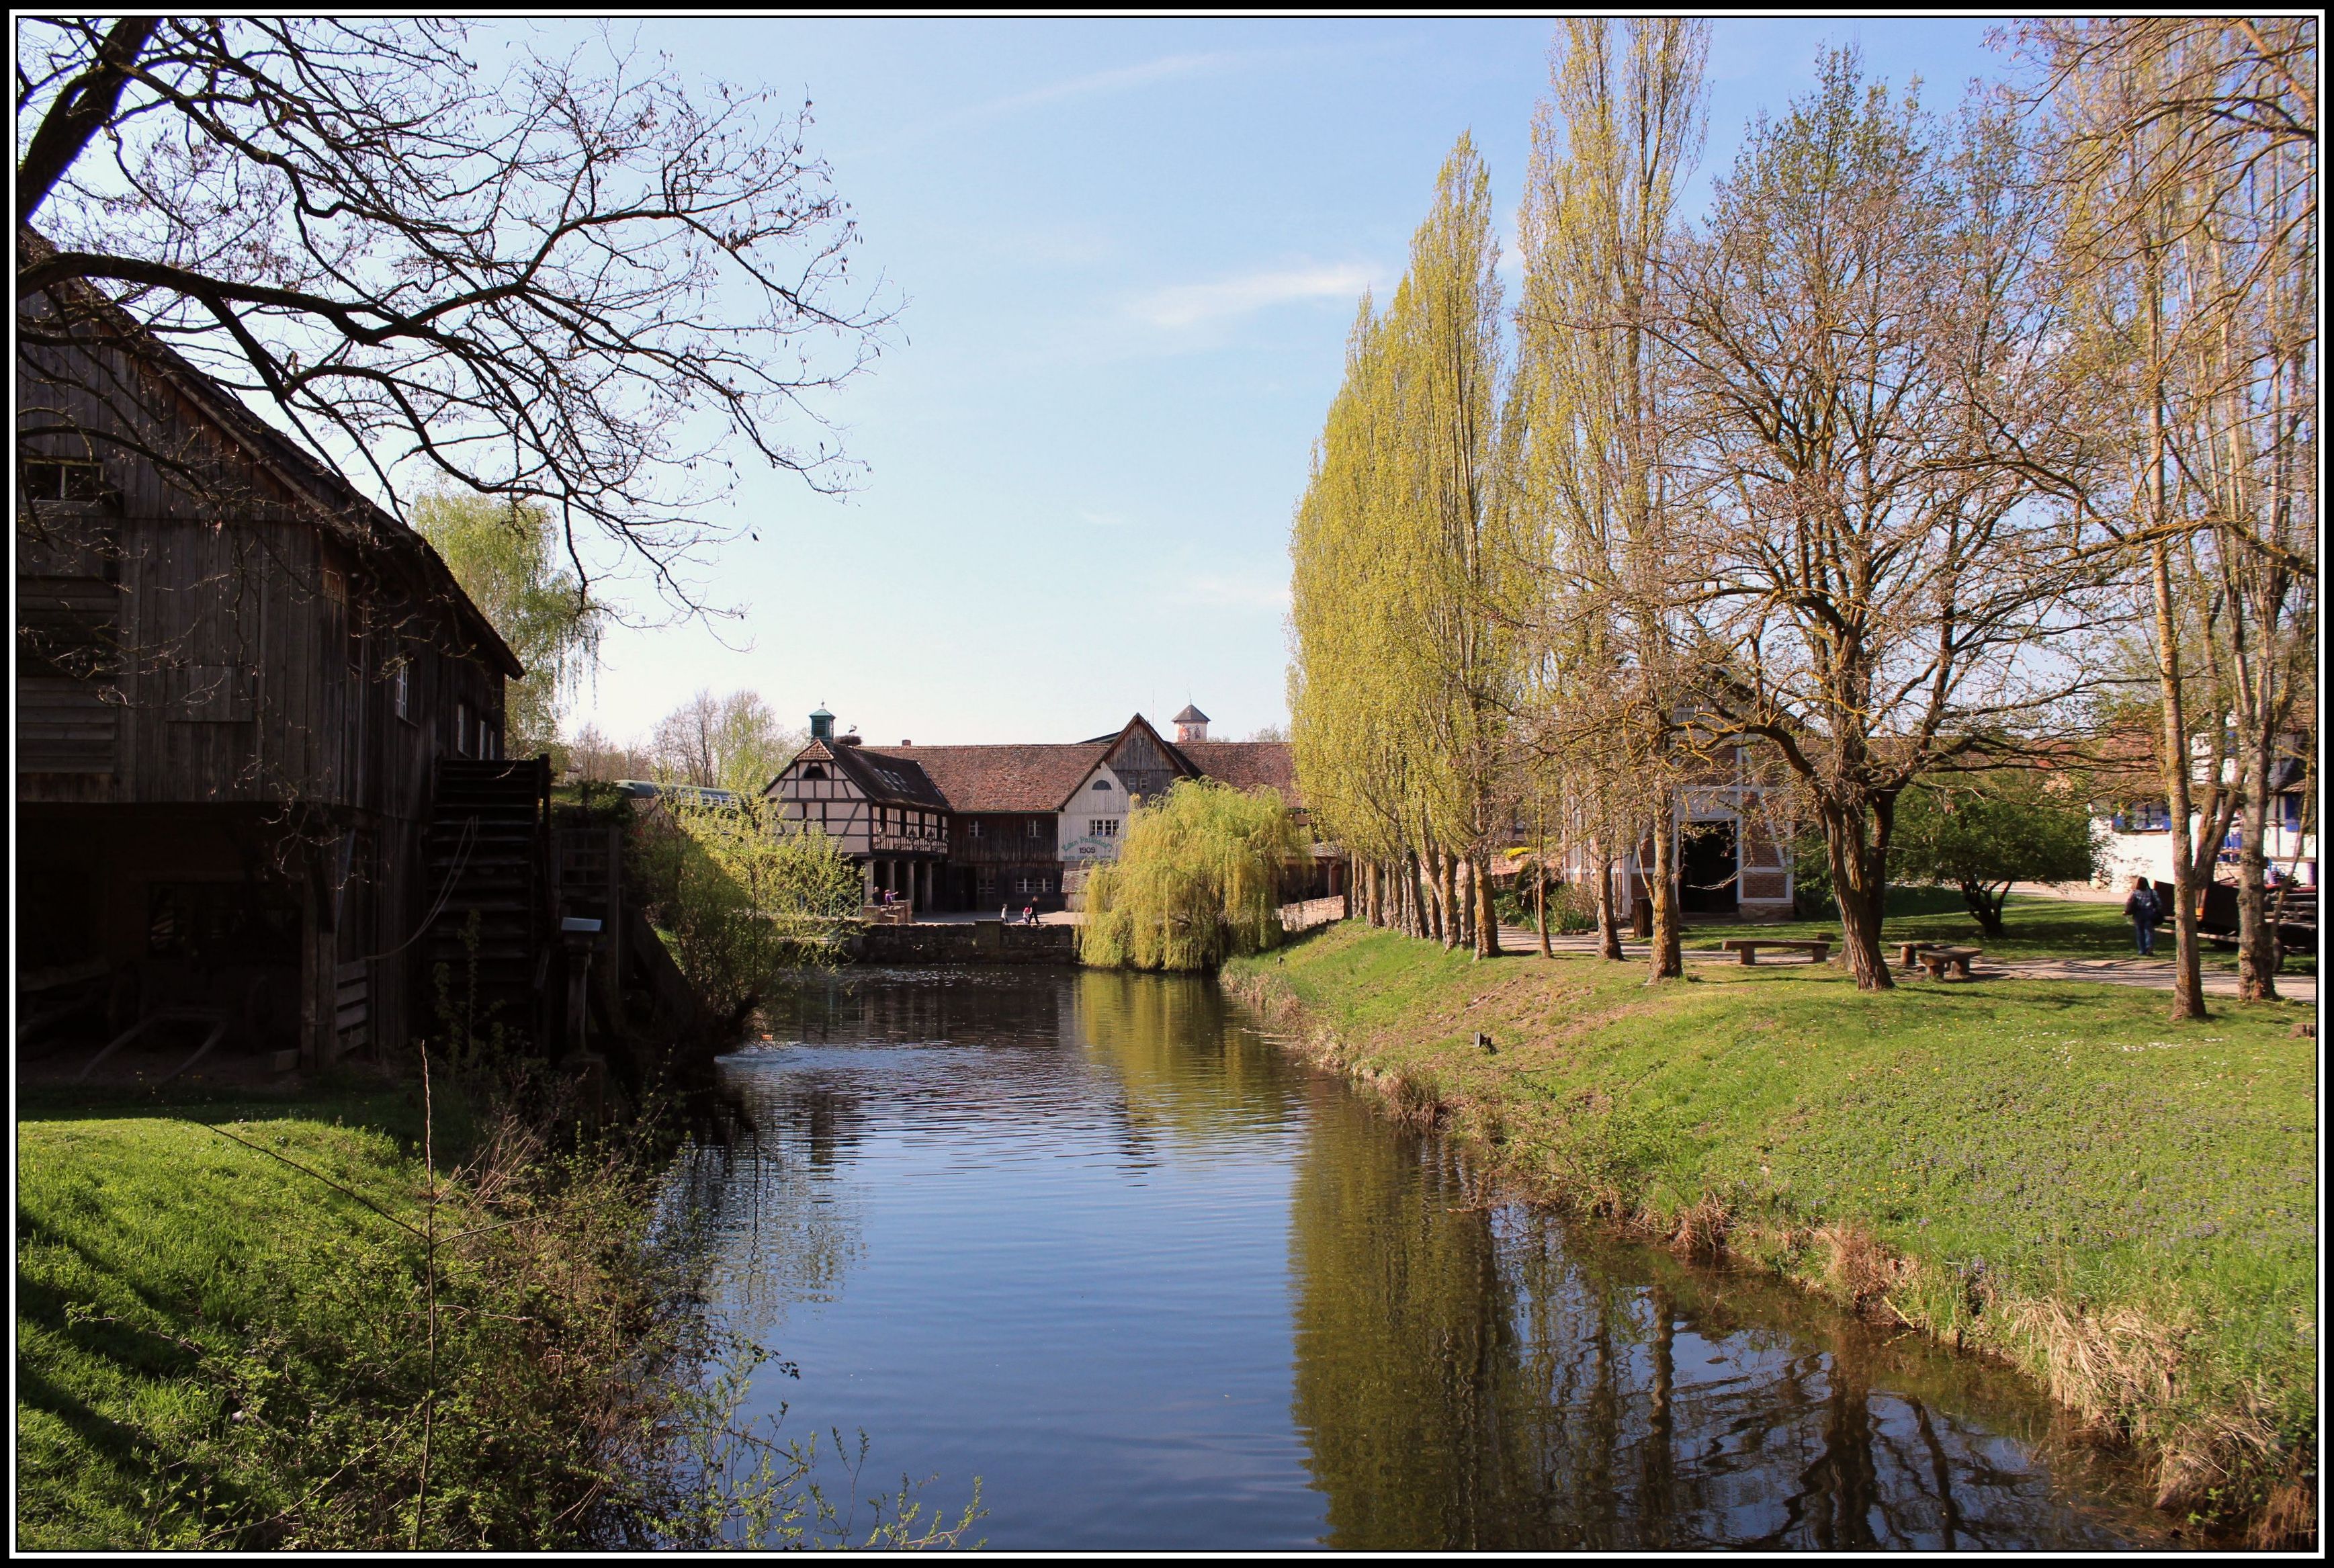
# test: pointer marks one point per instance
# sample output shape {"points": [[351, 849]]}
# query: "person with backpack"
{"points": [[2145, 912]]}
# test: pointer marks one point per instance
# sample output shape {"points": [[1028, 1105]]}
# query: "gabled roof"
{"points": [[879, 776], [1044, 776], [1190, 714]]}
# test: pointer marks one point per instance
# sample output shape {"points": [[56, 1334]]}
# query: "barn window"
{"points": [[1105, 827], [462, 741], [1103, 785], [815, 770], [401, 689], [1035, 830], [974, 828], [50, 480]]}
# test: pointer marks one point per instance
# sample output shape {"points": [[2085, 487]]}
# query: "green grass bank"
{"points": [[246, 1321], [2047, 1172]]}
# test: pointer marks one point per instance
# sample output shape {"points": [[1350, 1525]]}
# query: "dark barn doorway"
{"points": [[1707, 870]]}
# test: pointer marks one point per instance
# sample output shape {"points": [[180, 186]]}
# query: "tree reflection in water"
{"points": [[1096, 1238], [1470, 1375]]}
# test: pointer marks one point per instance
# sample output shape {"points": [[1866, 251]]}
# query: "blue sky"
{"points": [[1128, 253]]}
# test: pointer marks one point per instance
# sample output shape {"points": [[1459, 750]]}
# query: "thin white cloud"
{"points": [[1184, 306], [1167, 68]]}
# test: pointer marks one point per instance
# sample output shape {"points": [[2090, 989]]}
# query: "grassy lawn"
{"points": [[216, 1349], [2035, 928], [2050, 1170]]}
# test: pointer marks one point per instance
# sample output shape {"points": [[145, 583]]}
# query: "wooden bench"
{"points": [[1937, 959], [1748, 947]]}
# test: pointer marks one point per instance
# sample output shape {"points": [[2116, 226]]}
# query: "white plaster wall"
{"points": [[1088, 805]]}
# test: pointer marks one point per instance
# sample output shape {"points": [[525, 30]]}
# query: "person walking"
{"points": [[2144, 910]]}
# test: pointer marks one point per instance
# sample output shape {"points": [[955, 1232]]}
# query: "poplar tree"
{"points": [[1594, 427], [1403, 682]]}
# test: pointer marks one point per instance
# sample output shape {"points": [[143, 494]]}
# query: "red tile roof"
{"points": [[1246, 764], [1003, 778], [1042, 777]]}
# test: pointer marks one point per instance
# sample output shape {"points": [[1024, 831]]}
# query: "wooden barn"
{"points": [[242, 691]]}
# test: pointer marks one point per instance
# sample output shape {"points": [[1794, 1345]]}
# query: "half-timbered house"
{"points": [[237, 679], [994, 827]]}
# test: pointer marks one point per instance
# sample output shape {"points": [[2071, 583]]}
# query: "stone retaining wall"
{"points": [[965, 942]]}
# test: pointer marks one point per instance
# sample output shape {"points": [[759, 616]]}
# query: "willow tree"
{"points": [[2185, 153], [1595, 427], [509, 558], [1197, 880]]}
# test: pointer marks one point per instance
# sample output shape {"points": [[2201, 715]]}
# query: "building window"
{"points": [[1025, 886], [984, 885], [462, 747], [1102, 785], [48, 480], [1035, 830], [400, 690], [2290, 812], [974, 828], [2146, 817], [1105, 827], [815, 770]]}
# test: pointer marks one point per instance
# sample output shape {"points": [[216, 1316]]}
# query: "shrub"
{"points": [[1197, 881], [744, 897]]}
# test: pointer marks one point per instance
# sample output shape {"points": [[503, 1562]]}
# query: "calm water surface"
{"points": [[1096, 1240]]}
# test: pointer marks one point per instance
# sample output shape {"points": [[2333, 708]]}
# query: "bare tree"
{"points": [[1879, 419], [2184, 153], [555, 284]]}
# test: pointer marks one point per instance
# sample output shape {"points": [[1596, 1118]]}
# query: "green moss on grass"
{"points": [[2049, 1171]]}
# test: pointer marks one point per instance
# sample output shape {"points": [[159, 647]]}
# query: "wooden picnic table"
{"points": [[1818, 949]]}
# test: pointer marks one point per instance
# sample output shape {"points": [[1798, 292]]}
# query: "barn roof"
{"points": [[332, 501]]}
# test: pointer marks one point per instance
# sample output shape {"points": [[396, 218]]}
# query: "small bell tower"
{"points": [[1190, 725]]}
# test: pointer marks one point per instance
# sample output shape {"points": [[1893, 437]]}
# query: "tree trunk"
{"points": [[1860, 881], [1540, 878], [1608, 914], [2187, 963], [1446, 899], [1985, 906], [2256, 936], [1668, 959], [1487, 914], [1414, 888]]}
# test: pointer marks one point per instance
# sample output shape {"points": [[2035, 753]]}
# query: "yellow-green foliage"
{"points": [[744, 899], [1198, 882]]}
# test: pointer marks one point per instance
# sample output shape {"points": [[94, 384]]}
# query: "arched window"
{"points": [[815, 770], [1103, 785]]}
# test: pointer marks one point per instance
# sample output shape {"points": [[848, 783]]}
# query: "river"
{"points": [[1099, 1241]]}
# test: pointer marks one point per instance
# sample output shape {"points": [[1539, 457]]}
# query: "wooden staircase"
{"points": [[485, 848]]}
